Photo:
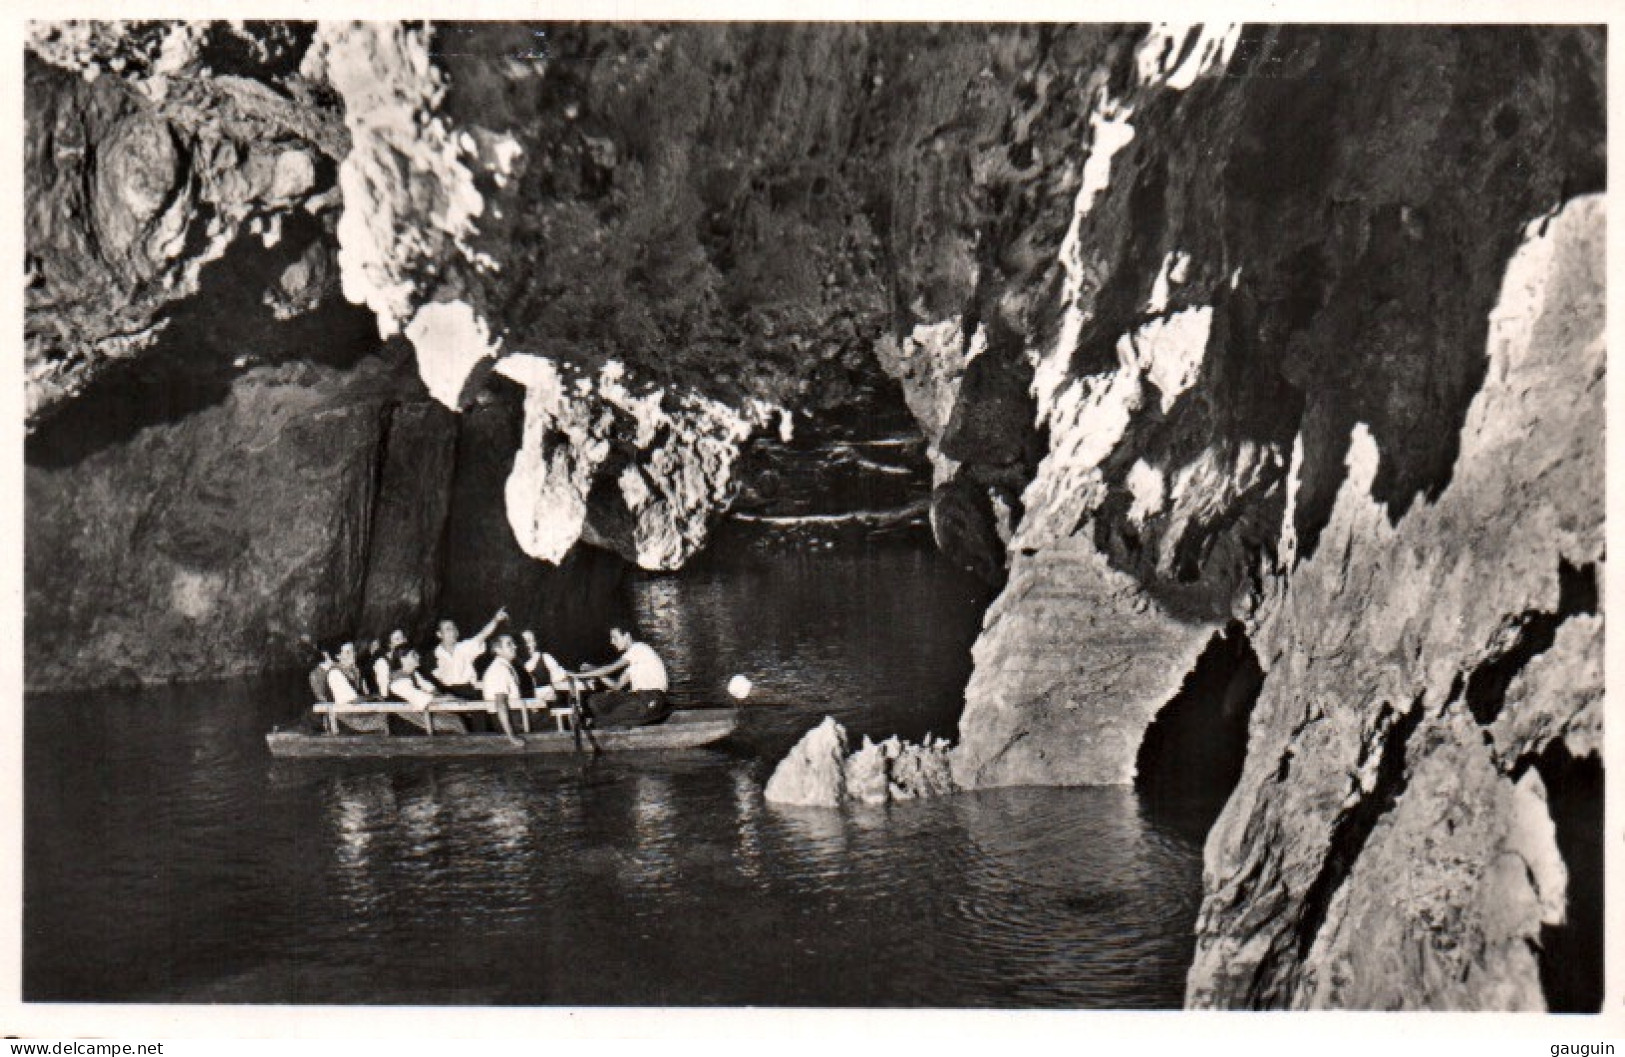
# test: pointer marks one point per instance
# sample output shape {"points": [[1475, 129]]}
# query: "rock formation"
{"points": [[818, 772], [149, 154], [1392, 814], [1285, 338], [1281, 345], [205, 548]]}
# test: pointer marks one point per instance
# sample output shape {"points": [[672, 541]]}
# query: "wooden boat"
{"points": [[683, 729]]}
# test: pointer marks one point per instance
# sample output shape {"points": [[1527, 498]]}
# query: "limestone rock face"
{"points": [[718, 210], [1283, 374], [640, 474], [153, 149], [1291, 331], [294, 506], [818, 772], [1231, 273], [1391, 814]]}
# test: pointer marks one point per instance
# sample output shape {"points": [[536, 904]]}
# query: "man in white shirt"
{"points": [[501, 683], [410, 685], [637, 685], [454, 660]]}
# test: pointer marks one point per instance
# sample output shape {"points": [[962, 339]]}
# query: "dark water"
{"points": [[168, 858]]}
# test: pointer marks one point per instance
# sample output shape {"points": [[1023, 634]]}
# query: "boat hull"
{"points": [[690, 729]]}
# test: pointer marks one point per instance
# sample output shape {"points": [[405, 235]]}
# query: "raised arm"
{"points": [[485, 632]]}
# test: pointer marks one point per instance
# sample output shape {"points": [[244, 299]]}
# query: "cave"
{"points": [[1571, 954], [1007, 395], [1193, 752]]}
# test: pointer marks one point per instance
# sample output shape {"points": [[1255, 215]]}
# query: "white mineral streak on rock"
{"points": [[1089, 417], [1168, 41], [455, 350], [1110, 131], [501, 153], [91, 47], [409, 197], [1146, 485], [1383, 625], [675, 486], [1286, 552], [684, 452], [819, 773], [1169, 351], [1175, 267], [1532, 838], [1004, 517], [931, 362], [1207, 487]]}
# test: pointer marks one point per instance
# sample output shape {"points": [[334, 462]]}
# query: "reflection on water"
{"points": [[168, 858]]}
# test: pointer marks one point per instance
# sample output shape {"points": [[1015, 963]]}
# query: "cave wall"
{"points": [[1391, 844], [151, 149], [1269, 350], [674, 238], [1287, 327], [1273, 235], [1287, 367], [301, 503]]}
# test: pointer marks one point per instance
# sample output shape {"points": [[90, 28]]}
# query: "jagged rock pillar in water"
{"points": [[818, 772]]}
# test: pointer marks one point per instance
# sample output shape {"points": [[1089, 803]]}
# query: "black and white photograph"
{"points": [[813, 515]]}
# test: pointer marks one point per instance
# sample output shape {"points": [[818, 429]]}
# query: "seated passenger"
{"points": [[413, 687], [344, 678], [637, 685], [454, 660], [344, 683], [501, 683], [388, 662], [553, 674]]}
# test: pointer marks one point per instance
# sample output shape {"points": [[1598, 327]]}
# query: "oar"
{"points": [[578, 719]]}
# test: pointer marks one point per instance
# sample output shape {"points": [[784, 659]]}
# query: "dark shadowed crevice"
{"points": [[380, 461], [1537, 630], [1571, 954], [229, 327], [1355, 826], [1192, 754]]}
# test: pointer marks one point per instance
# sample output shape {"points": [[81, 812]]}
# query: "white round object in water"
{"points": [[739, 687]]}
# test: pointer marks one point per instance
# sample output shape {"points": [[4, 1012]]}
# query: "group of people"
{"points": [[628, 691]]}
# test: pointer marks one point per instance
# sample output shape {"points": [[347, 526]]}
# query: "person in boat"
{"points": [[387, 664], [551, 674], [501, 683], [454, 658], [318, 676], [636, 694], [344, 683], [412, 686], [368, 654], [346, 687]]}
